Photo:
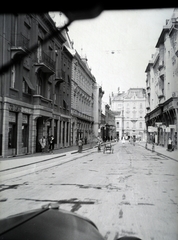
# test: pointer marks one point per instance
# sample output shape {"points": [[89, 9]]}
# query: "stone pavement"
{"points": [[37, 161], [161, 150]]}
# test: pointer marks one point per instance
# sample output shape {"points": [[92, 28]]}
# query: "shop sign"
{"points": [[26, 110], [155, 129], [12, 117], [25, 119], [172, 126], [152, 129], [158, 123], [14, 108], [167, 129]]}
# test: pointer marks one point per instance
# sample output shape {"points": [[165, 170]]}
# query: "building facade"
{"points": [[162, 86], [129, 108], [82, 101], [35, 93], [97, 110], [107, 128], [117, 106], [134, 113]]}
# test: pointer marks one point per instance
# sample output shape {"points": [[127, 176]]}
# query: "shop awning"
{"points": [[30, 85]]}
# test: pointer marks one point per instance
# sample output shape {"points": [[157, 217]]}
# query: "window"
{"points": [[25, 87], [39, 87], [13, 76], [117, 125], [39, 51], [140, 124], [49, 91]]}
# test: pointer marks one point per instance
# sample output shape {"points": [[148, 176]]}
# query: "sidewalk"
{"points": [[13, 166], [161, 150]]}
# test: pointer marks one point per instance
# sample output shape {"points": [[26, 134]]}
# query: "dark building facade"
{"points": [[35, 93]]}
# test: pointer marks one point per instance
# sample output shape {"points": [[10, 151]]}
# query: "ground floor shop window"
{"points": [[25, 130], [12, 134], [55, 131]]}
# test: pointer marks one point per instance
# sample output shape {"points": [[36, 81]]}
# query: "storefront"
{"points": [[164, 121], [25, 133], [12, 134]]}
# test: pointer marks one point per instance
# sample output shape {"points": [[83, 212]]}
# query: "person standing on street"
{"points": [[43, 143], [51, 144], [80, 145], [169, 144]]}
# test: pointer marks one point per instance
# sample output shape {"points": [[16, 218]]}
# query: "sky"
{"points": [[118, 45]]}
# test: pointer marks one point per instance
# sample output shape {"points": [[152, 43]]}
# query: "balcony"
{"points": [[160, 93], [161, 73], [147, 105], [133, 119], [19, 44], [60, 76], [42, 101], [44, 63], [84, 116]]}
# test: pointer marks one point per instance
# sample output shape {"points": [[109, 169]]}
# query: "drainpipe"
{"points": [[2, 152]]}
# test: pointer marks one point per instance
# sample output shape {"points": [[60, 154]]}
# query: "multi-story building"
{"points": [[134, 113], [129, 109], [107, 128], [117, 106], [97, 109], [82, 102], [35, 93], [162, 86]]}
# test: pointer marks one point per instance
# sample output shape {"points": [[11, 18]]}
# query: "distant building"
{"points": [[162, 86], [134, 113], [129, 109], [117, 106], [97, 109], [107, 128]]}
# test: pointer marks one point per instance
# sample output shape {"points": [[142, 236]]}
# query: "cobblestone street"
{"points": [[131, 192]]}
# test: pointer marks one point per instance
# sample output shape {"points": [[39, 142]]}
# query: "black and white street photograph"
{"points": [[88, 124]]}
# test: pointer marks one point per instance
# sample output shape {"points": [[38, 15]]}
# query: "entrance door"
{"points": [[39, 133]]}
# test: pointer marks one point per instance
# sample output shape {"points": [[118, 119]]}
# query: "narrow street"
{"points": [[131, 192]]}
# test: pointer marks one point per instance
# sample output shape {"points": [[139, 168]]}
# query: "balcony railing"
{"points": [[40, 100], [43, 58], [81, 115], [19, 40]]}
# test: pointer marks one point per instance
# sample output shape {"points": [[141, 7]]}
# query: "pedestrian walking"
{"points": [[169, 148], [51, 144], [99, 144], [134, 140], [80, 145], [42, 142]]}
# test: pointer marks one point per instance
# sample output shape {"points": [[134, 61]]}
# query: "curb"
{"points": [[10, 173], [161, 154]]}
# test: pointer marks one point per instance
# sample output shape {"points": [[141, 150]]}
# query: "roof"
{"points": [[137, 92], [161, 37]]}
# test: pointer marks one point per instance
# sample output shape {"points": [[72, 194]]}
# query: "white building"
{"points": [[134, 113], [129, 108], [117, 106]]}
